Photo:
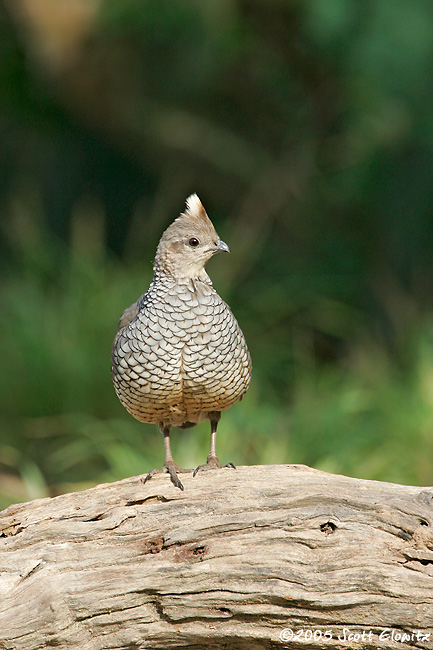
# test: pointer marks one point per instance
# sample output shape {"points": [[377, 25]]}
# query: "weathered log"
{"points": [[237, 560]]}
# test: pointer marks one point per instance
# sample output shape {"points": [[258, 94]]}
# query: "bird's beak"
{"points": [[222, 247]]}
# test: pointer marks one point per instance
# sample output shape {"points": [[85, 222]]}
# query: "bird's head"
{"points": [[189, 242]]}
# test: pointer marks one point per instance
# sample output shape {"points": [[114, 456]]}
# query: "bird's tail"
{"points": [[187, 425]]}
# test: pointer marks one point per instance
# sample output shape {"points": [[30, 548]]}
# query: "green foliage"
{"points": [[307, 130]]}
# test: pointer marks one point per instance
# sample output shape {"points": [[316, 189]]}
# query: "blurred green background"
{"points": [[306, 128]]}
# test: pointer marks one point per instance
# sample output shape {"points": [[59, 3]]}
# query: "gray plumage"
{"points": [[179, 356]]}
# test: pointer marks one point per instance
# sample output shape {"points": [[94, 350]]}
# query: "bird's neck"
{"points": [[164, 271]]}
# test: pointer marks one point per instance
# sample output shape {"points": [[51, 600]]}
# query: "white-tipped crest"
{"points": [[195, 206]]}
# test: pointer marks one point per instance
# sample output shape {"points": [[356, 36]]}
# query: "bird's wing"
{"points": [[128, 315]]}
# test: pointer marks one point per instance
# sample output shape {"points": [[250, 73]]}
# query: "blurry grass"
{"points": [[62, 427]]}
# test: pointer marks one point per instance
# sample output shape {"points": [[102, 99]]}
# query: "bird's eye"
{"points": [[193, 242]]}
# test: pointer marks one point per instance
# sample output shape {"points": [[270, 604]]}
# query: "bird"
{"points": [[179, 356]]}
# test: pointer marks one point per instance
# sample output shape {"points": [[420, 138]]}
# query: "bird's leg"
{"points": [[169, 466], [212, 461], [213, 431]]}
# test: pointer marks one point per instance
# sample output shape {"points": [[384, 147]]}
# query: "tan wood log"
{"points": [[257, 557]]}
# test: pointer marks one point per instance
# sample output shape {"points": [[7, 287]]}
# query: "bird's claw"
{"points": [[172, 469], [212, 463]]}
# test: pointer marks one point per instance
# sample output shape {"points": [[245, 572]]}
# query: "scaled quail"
{"points": [[179, 355]]}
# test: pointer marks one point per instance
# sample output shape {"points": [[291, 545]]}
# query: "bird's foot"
{"points": [[212, 463], [171, 468]]}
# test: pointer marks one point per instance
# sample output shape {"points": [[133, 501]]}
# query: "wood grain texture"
{"points": [[232, 561]]}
